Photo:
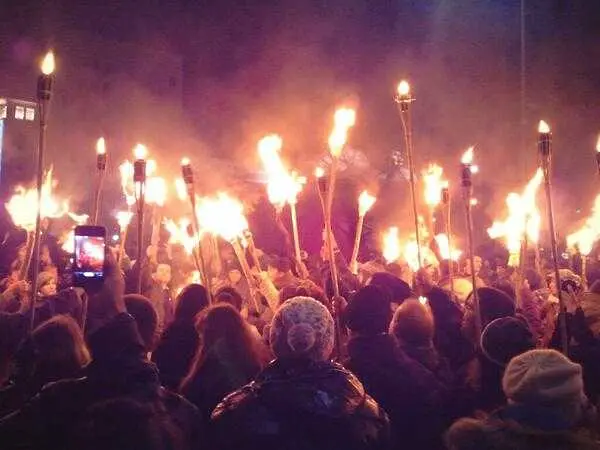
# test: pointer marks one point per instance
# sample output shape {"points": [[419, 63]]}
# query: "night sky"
{"points": [[208, 78]]}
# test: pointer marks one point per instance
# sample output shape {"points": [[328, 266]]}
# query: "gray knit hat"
{"points": [[302, 327]]}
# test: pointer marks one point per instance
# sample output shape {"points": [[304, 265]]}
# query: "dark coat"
{"points": [[407, 391], [118, 370], [175, 351], [519, 427], [300, 405]]}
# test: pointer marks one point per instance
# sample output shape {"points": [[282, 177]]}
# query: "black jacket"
{"points": [[300, 405], [411, 395], [118, 370]]}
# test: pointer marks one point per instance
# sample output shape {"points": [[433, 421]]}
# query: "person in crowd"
{"points": [[146, 319], [230, 296], [54, 351], [279, 269], [302, 399], [408, 392], [46, 285], [178, 344], [229, 356], [413, 328], [119, 369], [395, 288], [160, 295], [547, 409]]}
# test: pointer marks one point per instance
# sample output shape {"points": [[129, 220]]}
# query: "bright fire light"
{"points": [[403, 88], [444, 247], [598, 144], [365, 203], [181, 189], [319, 172], [127, 185], [101, 146], [222, 215], [48, 64], [523, 216], [391, 245], [179, 234], [467, 157], [589, 233], [543, 127], [434, 184], [140, 152], [343, 120], [156, 191], [124, 219]]}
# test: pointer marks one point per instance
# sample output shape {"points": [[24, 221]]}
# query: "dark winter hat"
{"points": [[369, 311], [505, 338], [398, 289], [444, 310], [190, 301], [493, 304], [302, 328]]}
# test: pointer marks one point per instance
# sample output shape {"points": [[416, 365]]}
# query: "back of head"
{"points": [[302, 288], [230, 296], [221, 323], [55, 350], [503, 339], [413, 323], [369, 311], [545, 378], [190, 301], [396, 288], [126, 424], [493, 304], [145, 317], [302, 328]]}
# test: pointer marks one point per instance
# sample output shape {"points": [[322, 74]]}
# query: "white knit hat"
{"points": [[302, 327], [543, 377]]}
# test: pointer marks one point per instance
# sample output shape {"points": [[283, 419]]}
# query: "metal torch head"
{"points": [[101, 161], [445, 195], [139, 171], [322, 184], [188, 174], [544, 144], [466, 179], [44, 87]]}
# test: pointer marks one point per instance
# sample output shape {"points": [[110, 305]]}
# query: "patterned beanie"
{"points": [[302, 327]]}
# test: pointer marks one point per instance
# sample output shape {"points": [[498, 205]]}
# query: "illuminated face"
{"points": [[234, 276], [163, 273], [272, 272], [49, 288]]}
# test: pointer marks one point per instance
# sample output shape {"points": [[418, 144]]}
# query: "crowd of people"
{"points": [[399, 360]]}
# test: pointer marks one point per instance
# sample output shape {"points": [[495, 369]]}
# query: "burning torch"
{"points": [[545, 151], [139, 179], [101, 170], [365, 203]]}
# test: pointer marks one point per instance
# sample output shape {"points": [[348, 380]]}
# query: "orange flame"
{"points": [[589, 233], [156, 191], [434, 184], [391, 245], [444, 246], [543, 127], [124, 219], [181, 189], [319, 172], [343, 120], [140, 151], [365, 203], [403, 88], [598, 144], [467, 157], [101, 146], [222, 216], [178, 234], [523, 216], [48, 64]]}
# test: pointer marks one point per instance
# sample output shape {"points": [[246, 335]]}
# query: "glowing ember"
{"points": [[403, 88], [523, 217], [391, 245], [178, 234], [343, 120], [365, 203], [124, 219], [434, 184], [101, 146], [222, 216], [48, 64], [589, 233], [444, 247], [543, 127], [282, 186], [22, 206]]}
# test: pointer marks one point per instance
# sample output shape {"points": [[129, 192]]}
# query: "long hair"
{"points": [[225, 335]]}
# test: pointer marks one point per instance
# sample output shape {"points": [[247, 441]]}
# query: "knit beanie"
{"points": [[505, 338], [543, 378], [396, 288], [369, 311], [302, 328], [413, 323]]}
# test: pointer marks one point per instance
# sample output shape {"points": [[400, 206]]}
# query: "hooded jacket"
{"points": [[300, 405]]}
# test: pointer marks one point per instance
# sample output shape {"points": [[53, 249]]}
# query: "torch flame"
{"points": [[467, 157], [181, 189], [156, 191], [140, 152], [434, 185], [343, 120], [523, 216], [319, 172], [365, 203], [22, 206], [48, 65], [403, 88], [391, 245], [222, 216], [598, 144], [282, 186], [444, 246], [127, 185], [589, 233], [543, 127], [101, 146], [68, 241], [178, 234], [124, 219], [185, 161]]}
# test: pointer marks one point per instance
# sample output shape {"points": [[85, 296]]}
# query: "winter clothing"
{"points": [[300, 404], [369, 311], [302, 327], [494, 304], [397, 289], [118, 370], [506, 338]]}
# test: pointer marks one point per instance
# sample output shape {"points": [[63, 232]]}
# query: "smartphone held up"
{"points": [[90, 256]]}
